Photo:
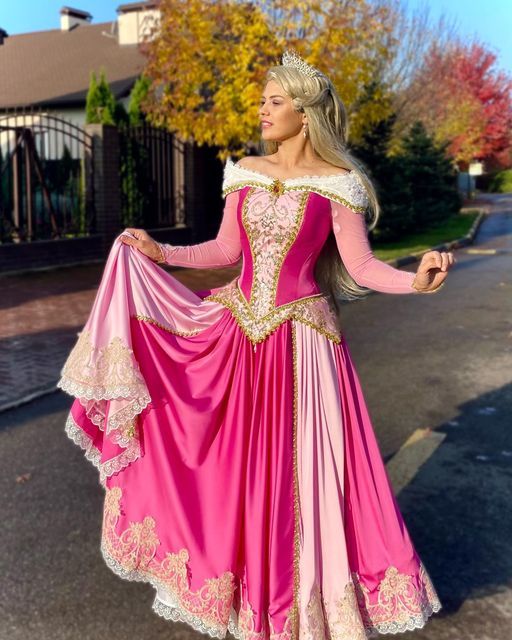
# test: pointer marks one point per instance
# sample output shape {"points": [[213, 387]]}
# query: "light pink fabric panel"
{"points": [[354, 247], [320, 465], [223, 250]]}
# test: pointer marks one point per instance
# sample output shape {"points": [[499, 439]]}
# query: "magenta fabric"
{"points": [[242, 476], [216, 475], [297, 273]]}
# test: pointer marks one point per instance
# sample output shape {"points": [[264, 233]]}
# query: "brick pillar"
{"points": [[107, 188], [203, 200]]}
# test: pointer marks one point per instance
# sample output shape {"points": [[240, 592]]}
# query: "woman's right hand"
{"points": [[144, 243]]}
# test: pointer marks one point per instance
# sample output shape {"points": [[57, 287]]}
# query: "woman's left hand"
{"points": [[433, 270]]}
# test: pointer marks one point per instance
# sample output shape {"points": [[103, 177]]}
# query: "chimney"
{"points": [[71, 18], [3, 35], [138, 21]]}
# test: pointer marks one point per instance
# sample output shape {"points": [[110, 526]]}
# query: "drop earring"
{"points": [[305, 127]]}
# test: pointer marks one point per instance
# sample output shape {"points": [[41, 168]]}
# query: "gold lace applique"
{"points": [[246, 624], [132, 555], [345, 621], [311, 310], [106, 468], [400, 605], [101, 373], [96, 375], [244, 629], [315, 614], [271, 225]]}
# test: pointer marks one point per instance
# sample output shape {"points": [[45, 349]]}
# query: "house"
{"points": [[59, 175], [51, 69]]}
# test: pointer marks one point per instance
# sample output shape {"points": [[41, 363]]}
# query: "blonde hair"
{"points": [[328, 132]]}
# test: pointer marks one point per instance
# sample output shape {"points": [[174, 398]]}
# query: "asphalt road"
{"points": [[441, 361]]}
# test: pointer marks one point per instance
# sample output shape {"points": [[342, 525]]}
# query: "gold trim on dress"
{"points": [[178, 332], [296, 499], [267, 259], [313, 311], [331, 195], [400, 606], [132, 555]]}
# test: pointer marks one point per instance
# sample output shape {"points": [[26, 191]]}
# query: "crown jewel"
{"points": [[291, 58]]}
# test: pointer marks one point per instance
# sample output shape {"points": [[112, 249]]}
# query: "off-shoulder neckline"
{"points": [[329, 176]]}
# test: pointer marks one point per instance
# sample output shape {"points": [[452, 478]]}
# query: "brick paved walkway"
{"points": [[41, 313]]}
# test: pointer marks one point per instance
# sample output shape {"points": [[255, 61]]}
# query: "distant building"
{"points": [[51, 69]]}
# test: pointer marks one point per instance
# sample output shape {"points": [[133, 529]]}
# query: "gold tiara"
{"points": [[291, 58]]}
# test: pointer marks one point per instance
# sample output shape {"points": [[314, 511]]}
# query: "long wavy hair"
{"points": [[328, 132]]}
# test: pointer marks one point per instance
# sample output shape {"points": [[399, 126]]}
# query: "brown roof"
{"points": [[52, 68]]}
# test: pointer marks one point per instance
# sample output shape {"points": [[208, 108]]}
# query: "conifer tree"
{"points": [[138, 94], [100, 104], [431, 176]]}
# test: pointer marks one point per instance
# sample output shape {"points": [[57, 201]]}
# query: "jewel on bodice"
{"points": [[277, 187], [272, 225]]}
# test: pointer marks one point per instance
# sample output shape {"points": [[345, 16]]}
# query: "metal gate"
{"points": [[46, 189], [152, 177]]}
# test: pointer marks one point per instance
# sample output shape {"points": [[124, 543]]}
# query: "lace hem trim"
{"points": [[400, 607], [93, 454], [102, 373], [110, 373], [131, 554]]}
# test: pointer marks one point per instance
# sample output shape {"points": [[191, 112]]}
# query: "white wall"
{"points": [[134, 26]]}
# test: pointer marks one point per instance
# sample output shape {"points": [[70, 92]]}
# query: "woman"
{"points": [[242, 475]]}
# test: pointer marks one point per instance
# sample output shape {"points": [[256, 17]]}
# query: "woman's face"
{"points": [[276, 109]]}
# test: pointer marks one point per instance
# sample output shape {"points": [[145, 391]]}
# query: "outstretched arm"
{"points": [[352, 240], [223, 250]]}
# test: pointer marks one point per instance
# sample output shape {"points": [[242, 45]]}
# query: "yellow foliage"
{"points": [[209, 60]]}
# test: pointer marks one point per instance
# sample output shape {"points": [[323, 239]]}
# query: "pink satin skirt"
{"points": [[258, 501]]}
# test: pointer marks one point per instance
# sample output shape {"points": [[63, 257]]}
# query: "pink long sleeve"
{"points": [[223, 250], [353, 245]]}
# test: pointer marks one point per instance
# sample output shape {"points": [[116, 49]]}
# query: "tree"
{"points": [[431, 177], [138, 93], [416, 188], [207, 62], [100, 103], [465, 103], [387, 173]]}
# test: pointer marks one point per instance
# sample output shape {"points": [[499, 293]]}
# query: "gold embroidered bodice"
{"points": [[283, 227]]}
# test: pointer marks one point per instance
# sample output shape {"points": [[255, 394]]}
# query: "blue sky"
{"points": [[491, 21]]}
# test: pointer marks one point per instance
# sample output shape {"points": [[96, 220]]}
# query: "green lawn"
{"points": [[452, 228]]}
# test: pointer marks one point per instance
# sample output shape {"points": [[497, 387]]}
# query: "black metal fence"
{"points": [[151, 168], [45, 192]]}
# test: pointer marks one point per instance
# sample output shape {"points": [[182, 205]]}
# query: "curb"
{"points": [[14, 404], [397, 262], [445, 246]]}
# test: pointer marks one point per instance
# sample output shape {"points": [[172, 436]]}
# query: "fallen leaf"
{"points": [[23, 477]]}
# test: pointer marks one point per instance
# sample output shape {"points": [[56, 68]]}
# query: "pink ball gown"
{"points": [[242, 475]]}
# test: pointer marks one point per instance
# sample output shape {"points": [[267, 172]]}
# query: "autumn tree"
{"points": [[465, 102], [207, 62]]}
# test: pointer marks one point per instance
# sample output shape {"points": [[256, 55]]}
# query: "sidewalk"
{"points": [[41, 313]]}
